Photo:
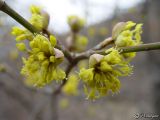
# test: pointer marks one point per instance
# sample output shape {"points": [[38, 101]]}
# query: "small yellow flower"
{"points": [[17, 31], [21, 34], [21, 46], [86, 74], [53, 40], [71, 87], [35, 9], [39, 18], [37, 21]]}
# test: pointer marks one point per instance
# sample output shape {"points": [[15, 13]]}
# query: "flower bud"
{"points": [[21, 46], [53, 40], [21, 37], [58, 53], [75, 23], [17, 31], [94, 59], [35, 9], [46, 18], [118, 28], [37, 21], [52, 59]]}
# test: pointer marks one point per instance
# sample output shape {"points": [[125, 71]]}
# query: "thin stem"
{"points": [[143, 47], [103, 44], [12, 13], [139, 48]]}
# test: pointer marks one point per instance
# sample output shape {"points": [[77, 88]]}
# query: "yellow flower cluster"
{"points": [[71, 87], [127, 34], [39, 19], [41, 67], [102, 75]]}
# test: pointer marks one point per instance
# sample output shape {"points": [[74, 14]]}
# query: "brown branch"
{"points": [[138, 48], [103, 44], [97, 49]]}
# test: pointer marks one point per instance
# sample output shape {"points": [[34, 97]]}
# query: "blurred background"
{"points": [[140, 92]]}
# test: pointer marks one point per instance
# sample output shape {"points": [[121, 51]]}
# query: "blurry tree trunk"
{"points": [[49, 111], [45, 107], [153, 18]]}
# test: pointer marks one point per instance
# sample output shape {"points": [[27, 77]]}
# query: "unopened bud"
{"points": [[75, 23], [58, 53], [46, 18], [94, 59], [118, 28]]}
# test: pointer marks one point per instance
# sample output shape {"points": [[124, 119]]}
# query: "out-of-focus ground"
{"points": [[139, 92]]}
